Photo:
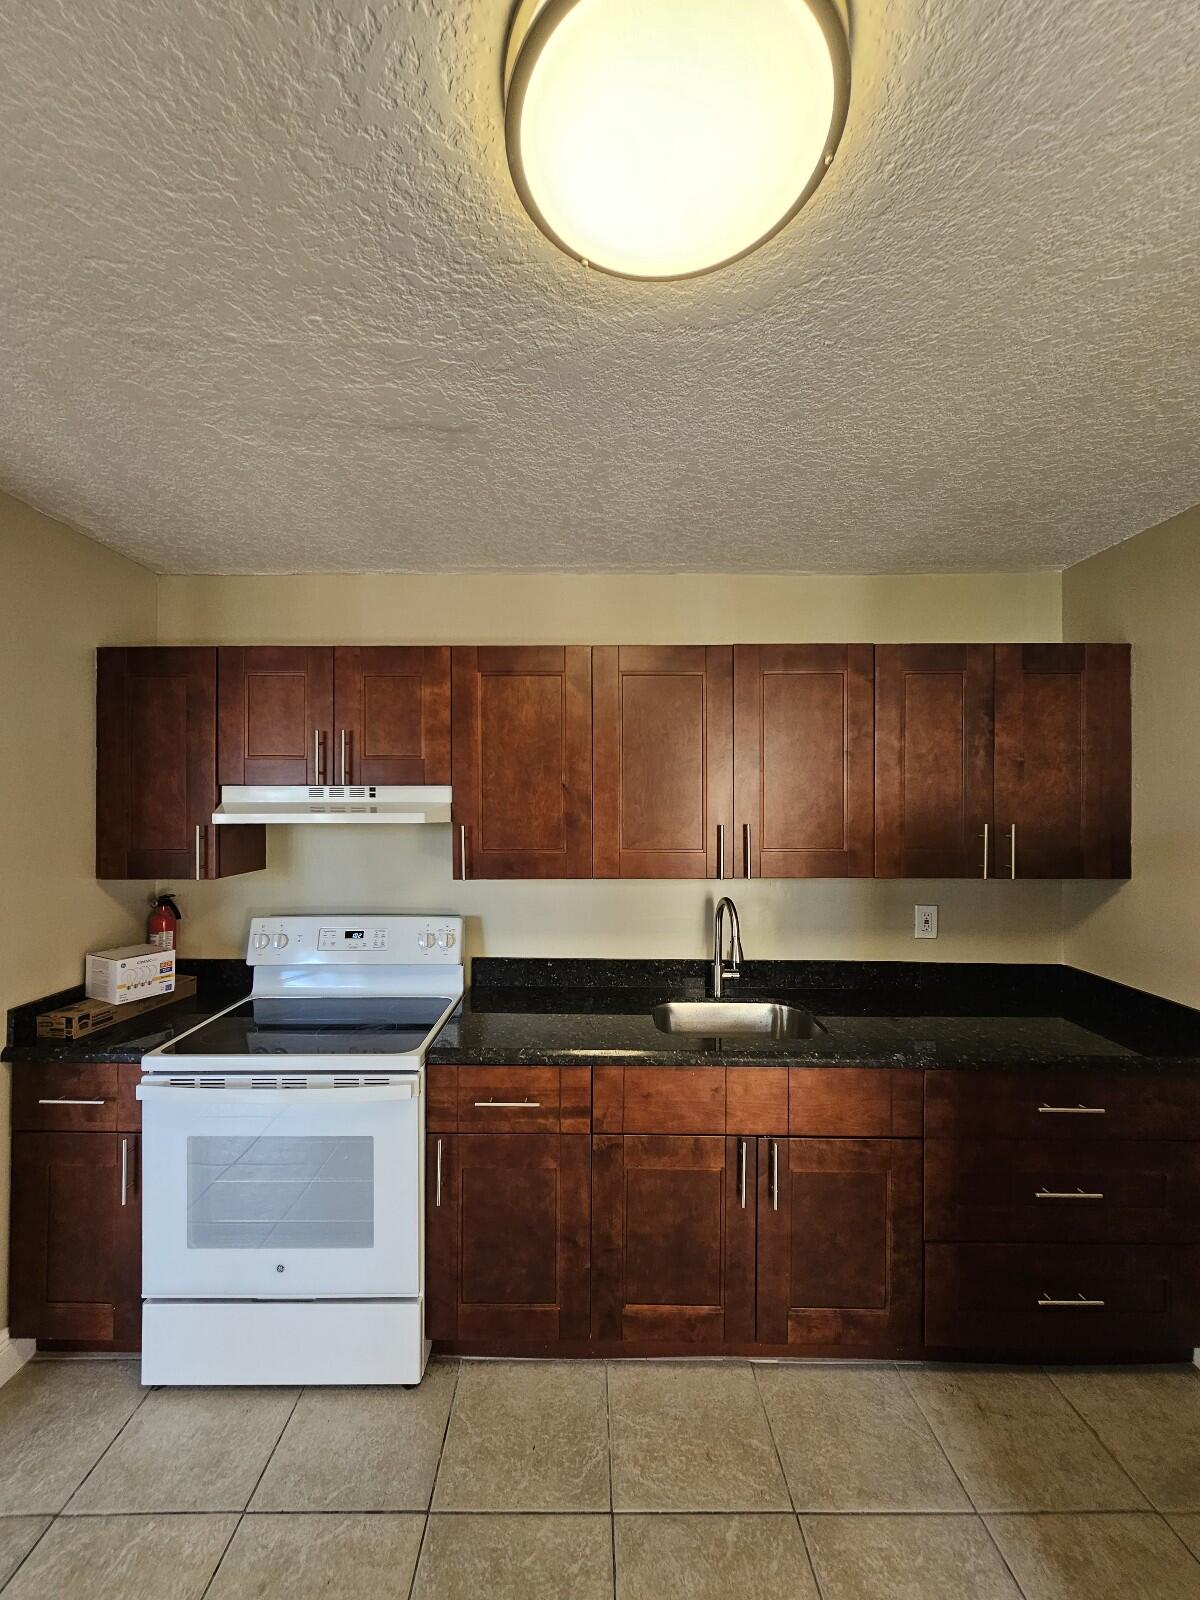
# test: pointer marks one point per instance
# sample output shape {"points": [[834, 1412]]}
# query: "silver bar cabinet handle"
{"points": [[1080, 1302], [985, 852], [316, 755], [1073, 1111], [774, 1174], [741, 1150], [62, 1100], [345, 779], [462, 852], [720, 849], [124, 1170], [508, 1105], [1012, 851], [747, 850], [1069, 1194], [197, 852], [437, 1177]]}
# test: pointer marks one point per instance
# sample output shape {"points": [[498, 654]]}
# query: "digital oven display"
{"points": [[355, 935]]}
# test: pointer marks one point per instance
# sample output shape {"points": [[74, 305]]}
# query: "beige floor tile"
{"points": [[906, 1558], [691, 1437], [18, 1535], [1017, 1445], [320, 1557], [854, 1439], [189, 1450], [1150, 1419], [123, 1558], [711, 1557], [524, 1557], [526, 1436], [360, 1449], [57, 1418], [1083, 1557], [1188, 1529]]}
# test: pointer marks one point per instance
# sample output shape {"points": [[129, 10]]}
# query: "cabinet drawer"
{"points": [[1062, 1105], [1062, 1299], [1112, 1191], [508, 1099], [65, 1098]]}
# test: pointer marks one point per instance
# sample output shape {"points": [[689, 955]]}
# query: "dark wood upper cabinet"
{"points": [[934, 757], [276, 715], [522, 761], [673, 1239], [507, 1236], [664, 761], [1062, 760], [156, 769], [391, 714], [804, 760], [839, 1244]]}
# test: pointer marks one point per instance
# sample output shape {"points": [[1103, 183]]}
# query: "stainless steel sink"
{"points": [[724, 1018]]}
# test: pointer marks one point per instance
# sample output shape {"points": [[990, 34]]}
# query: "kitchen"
{"points": [[895, 1292]]}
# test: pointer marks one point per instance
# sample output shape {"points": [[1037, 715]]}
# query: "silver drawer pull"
{"points": [[1069, 1194], [1079, 1303], [1073, 1111], [741, 1167], [124, 1171], [437, 1183], [507, 1105], [63, 1101]]}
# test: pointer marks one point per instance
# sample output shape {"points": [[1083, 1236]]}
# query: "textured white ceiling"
{"points": [[268, 303]]}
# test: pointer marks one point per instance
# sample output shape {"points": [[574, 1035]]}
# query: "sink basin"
{"points": [[767, 1018]]}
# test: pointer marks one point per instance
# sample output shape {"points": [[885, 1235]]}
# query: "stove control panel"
{"points": [[371, 939]]}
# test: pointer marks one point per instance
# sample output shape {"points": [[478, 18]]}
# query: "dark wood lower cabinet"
{"points": [[75, 1270], [506, 1237], [839, 1244], [673, 1239]]}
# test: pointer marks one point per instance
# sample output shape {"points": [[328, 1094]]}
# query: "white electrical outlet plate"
{"points": [[924, 922]]}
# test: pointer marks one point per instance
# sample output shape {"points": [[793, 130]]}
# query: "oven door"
{"points": [[297, 1192]]}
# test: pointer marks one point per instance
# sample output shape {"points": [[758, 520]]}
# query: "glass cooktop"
{"points": [[345, 1026]]}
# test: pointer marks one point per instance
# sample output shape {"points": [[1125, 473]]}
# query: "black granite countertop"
{"points": [[885, 1014], [219, 983]]}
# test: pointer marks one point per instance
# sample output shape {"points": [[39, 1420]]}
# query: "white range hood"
{"points": [[345, 804]]}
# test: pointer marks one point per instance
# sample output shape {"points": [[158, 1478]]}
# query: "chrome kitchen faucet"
{"points": [[724, 969]]}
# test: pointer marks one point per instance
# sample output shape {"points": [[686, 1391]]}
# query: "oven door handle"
{"points": [[290, 1098]]}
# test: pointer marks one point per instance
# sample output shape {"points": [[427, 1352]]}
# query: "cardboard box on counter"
{"points": [[134, 972]]}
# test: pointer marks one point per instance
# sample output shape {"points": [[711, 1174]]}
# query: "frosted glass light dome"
{"points": [[661, 138]]}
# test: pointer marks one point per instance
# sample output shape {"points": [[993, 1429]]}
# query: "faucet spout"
{"points": [[726, 967]]}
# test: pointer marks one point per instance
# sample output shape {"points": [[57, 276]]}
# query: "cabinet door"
{"points": [[664, 761], [522, 761], [673, 1239], [276, 715], [804, 760], [839, 1244], [1062, 760], [75, 1275], [156, 769], [507, 1247], [933, 760], [391, 714]]}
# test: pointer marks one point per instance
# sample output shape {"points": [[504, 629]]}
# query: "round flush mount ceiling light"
{"points": [[663, 138]]}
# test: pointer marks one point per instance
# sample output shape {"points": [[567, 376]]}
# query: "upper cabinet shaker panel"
{"points": [[391, 714], [276, 715]]}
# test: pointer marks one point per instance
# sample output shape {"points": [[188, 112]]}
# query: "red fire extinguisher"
{"points": [[160, 929]]}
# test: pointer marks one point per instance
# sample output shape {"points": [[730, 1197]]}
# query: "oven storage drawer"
{"points": [[1062, 1300], [1059, 1190], [1092, 1104]]}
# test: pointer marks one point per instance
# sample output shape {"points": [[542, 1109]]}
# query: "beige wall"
{"points": [[1147, 932], [409, 869], [62, 596]]}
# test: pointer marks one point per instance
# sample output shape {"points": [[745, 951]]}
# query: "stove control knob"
{"points": [[425, 940], [446, 938], [261, 941], [281, 940]]}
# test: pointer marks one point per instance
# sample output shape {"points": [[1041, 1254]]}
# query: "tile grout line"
{"points": [[51, 1520], [241, 1515], [412, 1582], [812, 1568], [1111, 1454], [915, 1398], [62, 1510], [612, 1506]]}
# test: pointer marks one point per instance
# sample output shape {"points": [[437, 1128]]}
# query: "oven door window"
{"points": [[311, 1192]]}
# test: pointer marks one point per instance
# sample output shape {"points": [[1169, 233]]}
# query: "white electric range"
{"points": [[283, 1161]]}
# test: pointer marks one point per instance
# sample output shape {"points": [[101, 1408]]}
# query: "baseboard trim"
{"points": [[14, 1353]]}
